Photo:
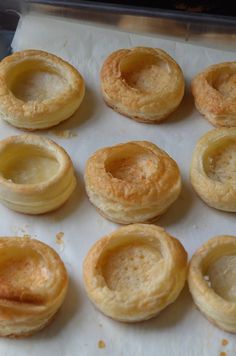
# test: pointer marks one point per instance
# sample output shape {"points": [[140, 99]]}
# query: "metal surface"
{"points": [[211, 31], [215, 35]]}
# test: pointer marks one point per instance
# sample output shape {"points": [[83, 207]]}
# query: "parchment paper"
{"points": [[180, 330]]}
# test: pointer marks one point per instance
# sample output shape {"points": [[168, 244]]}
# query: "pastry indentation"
{"points": [[37, 85], [225, 83], [135, 164], [22, 272], [221, 163], [31, 165], [145, 72], [131, 267], [222, 277]]}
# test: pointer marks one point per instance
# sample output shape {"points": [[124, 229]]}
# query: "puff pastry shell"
{"points": [[36, 174], [135, 272], [213, 169], [132, 182], [145, 84], [214, 91], [212, 281], [38, 89], [33, 285]]}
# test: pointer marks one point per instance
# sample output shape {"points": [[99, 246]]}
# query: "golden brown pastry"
{"points": [[36, 174], [33, 285], [38, 89], [214, 91], [135, 272], [145, 84], [132, 182], [212, 173], [212, 281]]}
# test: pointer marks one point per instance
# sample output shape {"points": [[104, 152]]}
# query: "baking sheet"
{"points": [[180, 329]]}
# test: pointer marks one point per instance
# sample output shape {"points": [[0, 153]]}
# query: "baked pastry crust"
{"points": [[213, 169], [214, 91], [211, 280], [135, 272], [145, 84], [132, 182], [38, 89], [33, 285], [36, 174]]}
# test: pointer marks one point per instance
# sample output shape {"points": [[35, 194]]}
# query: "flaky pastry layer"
{"points": [[132, 182], [145, 84], [38, 89], [135, 272], [214, 91], [33, 285], [211, 280], [212, 170], [36, 174]]}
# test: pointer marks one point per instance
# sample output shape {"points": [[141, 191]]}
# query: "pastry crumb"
{"points": [[26, 236], [223, 354], [101, 344], [59, 238], [64, 133], [224, 342]]}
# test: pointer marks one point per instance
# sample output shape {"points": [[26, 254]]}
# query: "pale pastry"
{"points": [[135, 272], [145, 84], [212, 173], [36, 174], [38, 89], [212, 281], [132, 182], [33, 285], [214, 91]]}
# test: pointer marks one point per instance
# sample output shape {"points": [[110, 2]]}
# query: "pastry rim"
{"points": [[100, 182], [59, 154], [46, 195], [100, 294], [131, 100], [211, 191], [209, 101], [199, 287], [13, 107], [45, 309]]}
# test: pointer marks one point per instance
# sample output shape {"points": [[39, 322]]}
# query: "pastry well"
{"points": [[36, 174], [38, 89], [132, 182], [33, 285], [145, 84], [135, 272], [212, 281]]}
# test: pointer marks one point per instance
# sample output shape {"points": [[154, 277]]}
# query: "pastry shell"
{"points": [[211, 280], [213, 169], [145, 84], [214, 91], [38, 89], [135, 272], [132, 182], [36, 174], [33, 285]]}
